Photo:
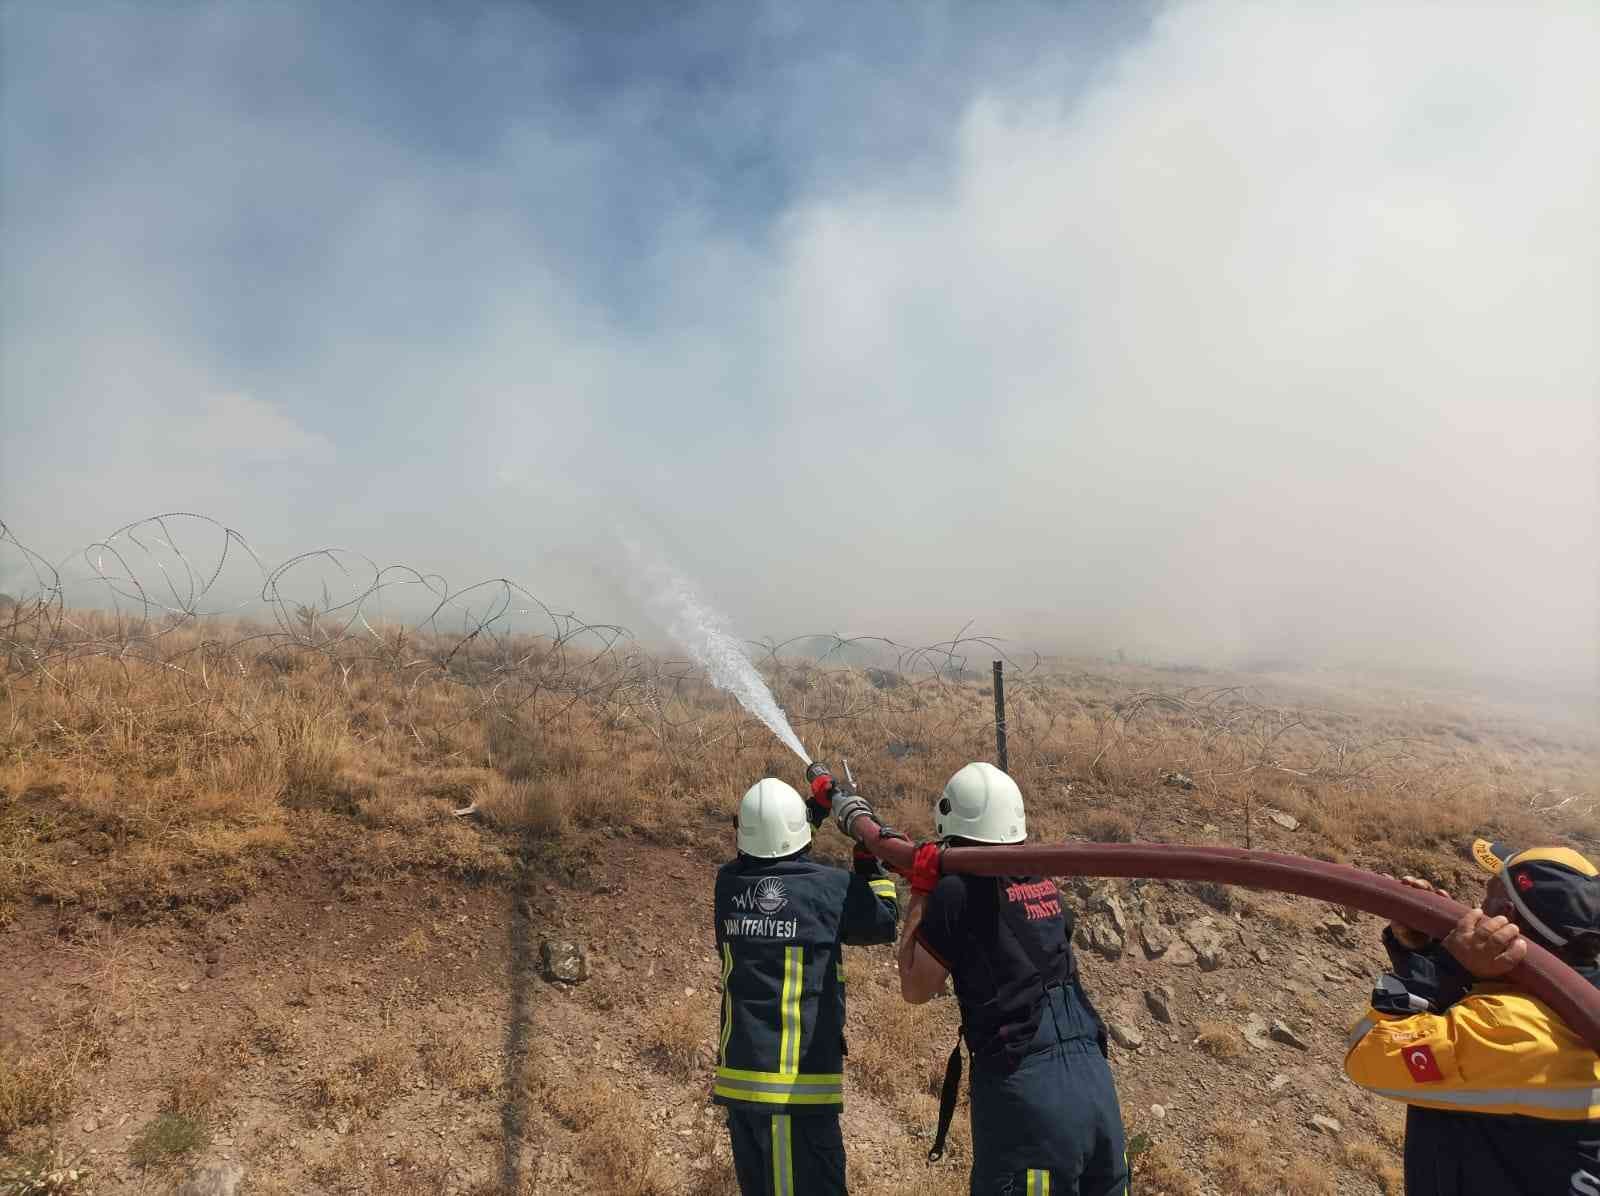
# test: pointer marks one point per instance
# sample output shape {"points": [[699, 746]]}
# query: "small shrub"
{"points": [[675, 1035], [1218, 897], [1219, 1040], [32, 1092], [1108, 826], [532, 807], [170, 1135]]}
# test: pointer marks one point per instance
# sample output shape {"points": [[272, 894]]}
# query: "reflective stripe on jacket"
{"points": [[781, 926]]}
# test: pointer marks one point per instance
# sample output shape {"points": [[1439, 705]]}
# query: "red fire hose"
{"points": [[1541, 973]]}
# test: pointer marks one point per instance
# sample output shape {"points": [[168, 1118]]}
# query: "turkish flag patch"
{"points": [[1424, 1068]]}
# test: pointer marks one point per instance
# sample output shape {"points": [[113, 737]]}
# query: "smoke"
{"points": [[1224, 333]]}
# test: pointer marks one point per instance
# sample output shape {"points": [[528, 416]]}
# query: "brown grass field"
{"points": [[233, 892]]}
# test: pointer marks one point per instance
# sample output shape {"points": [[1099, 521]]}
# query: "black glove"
{"points": [[867, 864]]}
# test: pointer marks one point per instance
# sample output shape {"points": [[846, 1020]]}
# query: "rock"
{"points": [[1179, 955], [1097, 934], [1277, 1082], [1124, 1033], [1338, 930], [1326, 1125], [1114, 911], [1159, 1001], [1206, 938], [563, 961], [1282, 1032], [1155, 937], [1159, 1112], [1261, 955], [90, 1126], [1256, 1033], [1287, 821], [217, 1179], [1177, 780]]}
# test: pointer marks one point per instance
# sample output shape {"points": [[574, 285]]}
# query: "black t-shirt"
{"points": [[1004, 939]]}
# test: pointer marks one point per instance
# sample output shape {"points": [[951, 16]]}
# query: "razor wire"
{"points": [[155, 594]]}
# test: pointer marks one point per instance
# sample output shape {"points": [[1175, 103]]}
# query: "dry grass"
{"points": [[139, 788], [678, 1035], [1158, 1172], [1244, 1159], [1220, 1040], [616, 1152], [146, 790], [1306, 1177], [1372, 1160], [33, 1091], [365, 1083], [40, 1086], [452, 1061]]}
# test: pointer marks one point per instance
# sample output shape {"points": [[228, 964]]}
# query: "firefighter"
{"points": [[1044, 1112], [782, 921], [1502, 1097]]}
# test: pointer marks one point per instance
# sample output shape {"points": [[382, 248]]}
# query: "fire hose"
{"points": [[1541, 974]]}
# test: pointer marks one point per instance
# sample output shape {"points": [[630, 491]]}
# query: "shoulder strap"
{"points": [[948, 1092]]}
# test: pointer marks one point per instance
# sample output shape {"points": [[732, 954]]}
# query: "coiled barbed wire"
{"points": [[146, 596]]}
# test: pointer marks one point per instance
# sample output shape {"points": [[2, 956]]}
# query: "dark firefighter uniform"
{"points": [[781, 927], [1503, 1097], [1045, 1117]]}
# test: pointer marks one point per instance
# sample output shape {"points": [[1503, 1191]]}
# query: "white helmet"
{"points": [[772, 820], [983, 804]]}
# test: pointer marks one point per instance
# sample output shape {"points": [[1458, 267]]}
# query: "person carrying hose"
{"points": [[1502, 1096], [1044, 1111], [782, 920]]}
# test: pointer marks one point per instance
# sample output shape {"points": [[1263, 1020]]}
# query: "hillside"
{"points": [[249, 929]]}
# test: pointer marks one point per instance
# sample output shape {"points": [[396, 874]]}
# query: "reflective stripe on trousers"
{"points": [[778, 1088], [782, 1156]]}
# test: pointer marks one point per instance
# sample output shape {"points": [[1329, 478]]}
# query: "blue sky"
{"points": [[1207, 328]]}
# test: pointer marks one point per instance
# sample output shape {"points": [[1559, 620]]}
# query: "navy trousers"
{"points": [[785, 1155], [1053, 1127]]}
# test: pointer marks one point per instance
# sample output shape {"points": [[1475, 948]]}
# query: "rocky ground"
{"points": [[553, 1035]]}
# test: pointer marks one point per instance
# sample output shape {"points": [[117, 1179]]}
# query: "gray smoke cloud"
{"points": [[1231, 332]]}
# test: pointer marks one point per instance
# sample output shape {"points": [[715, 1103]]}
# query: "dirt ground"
{"points": [[403, 1039], [250, 948]]}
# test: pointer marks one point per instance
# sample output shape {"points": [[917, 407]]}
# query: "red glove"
{"points": [[822, 791], [925, 868]]}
